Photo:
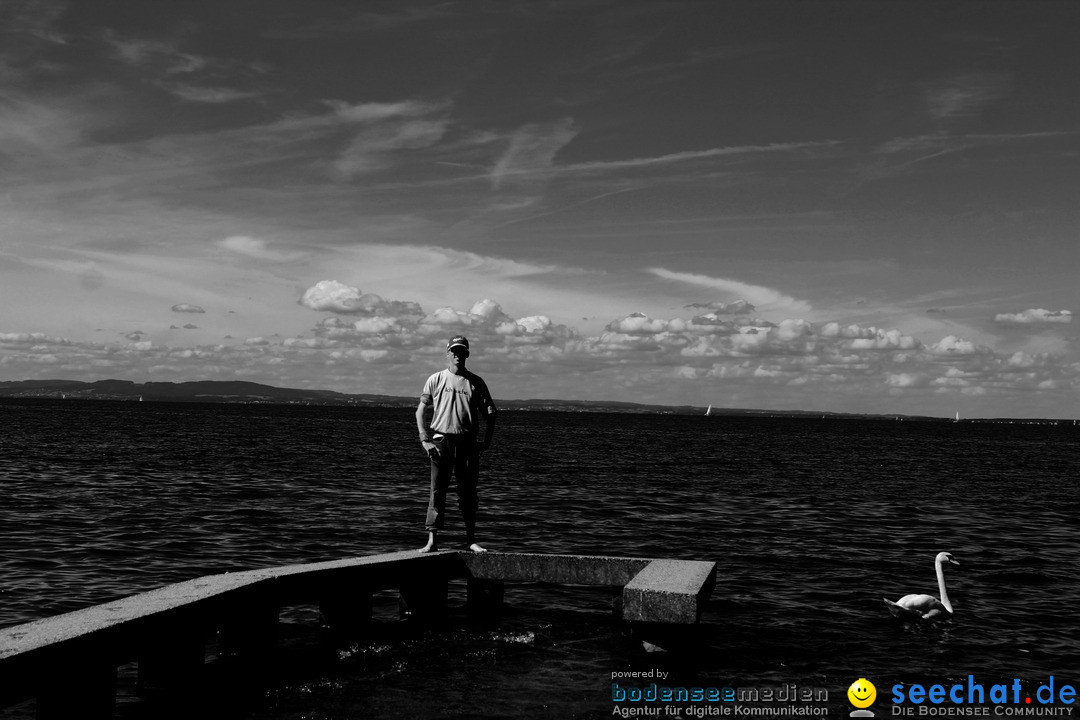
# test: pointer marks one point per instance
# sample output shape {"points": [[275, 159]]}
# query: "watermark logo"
{"points": [[862, 695], [972, 698]]}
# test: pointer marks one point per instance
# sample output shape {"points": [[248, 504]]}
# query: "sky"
{"points": [[827, 206]]}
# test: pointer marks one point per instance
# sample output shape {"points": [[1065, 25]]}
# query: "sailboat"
{"points": [[709, 410], [957, 418]]}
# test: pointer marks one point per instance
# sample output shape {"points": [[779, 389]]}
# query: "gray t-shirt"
{"points": [[460, 401]]}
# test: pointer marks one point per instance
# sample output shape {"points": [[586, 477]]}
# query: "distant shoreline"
{"points": [[241, 392]]}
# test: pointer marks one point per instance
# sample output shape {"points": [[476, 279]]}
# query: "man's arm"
{"points": [[420, 424], [425, 436], [488, 412]]}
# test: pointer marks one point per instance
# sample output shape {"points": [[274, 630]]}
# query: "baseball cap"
{"points": [[458, 341]]}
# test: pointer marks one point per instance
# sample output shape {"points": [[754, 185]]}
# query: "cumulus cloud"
{"points": [[633, 356], [185, 308], [1034, 316], [638, 324], [884, 340], [336, 297], [535, 330], [32, 338], [489, 310], [904, 380], [952, 345]]}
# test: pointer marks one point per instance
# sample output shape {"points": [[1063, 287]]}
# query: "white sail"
{"points": [[709, 411]]}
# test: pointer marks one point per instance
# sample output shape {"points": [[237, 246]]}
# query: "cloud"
{"points": [[884, 340], [36, 18], [255, 248], [634, 356], [739, 307], [952, 345], [385, 128], [212, 95], [1035, 316], [336, 297], [534, 330], [691, 155], [370, 149], [904, 380], [638, 324], [965, 95], [32, 338], [190, 77], [185, 308], [532, 150], [44, 130], [754, 294], [375, 111], [481, 314], [136, 51]]}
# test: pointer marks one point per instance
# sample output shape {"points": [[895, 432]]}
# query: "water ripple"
{"points": [[811, 524]]}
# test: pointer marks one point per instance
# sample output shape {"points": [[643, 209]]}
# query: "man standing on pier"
{"points": [[460, 399]]}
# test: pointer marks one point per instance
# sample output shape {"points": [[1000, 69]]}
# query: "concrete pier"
{"points": [[70, 660]]}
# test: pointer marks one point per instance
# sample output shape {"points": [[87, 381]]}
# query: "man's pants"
{"points": [[458, 455]]}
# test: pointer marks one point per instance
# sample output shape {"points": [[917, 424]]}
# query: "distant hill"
{"points": [[197, 391], [215, 391]]}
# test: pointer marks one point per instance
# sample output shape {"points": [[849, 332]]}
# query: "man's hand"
{"points": [[431, 449]]}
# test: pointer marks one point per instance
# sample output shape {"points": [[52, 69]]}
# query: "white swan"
{"points": [[926, 607]]}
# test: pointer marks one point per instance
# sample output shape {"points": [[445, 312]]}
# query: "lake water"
{"points": [[810, 521]]}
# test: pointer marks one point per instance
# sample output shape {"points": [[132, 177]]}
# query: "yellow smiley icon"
{"points": [[862, 693]]}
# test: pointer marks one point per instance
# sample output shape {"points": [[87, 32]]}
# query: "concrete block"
{"points": [[560, 569], [669, 591]]}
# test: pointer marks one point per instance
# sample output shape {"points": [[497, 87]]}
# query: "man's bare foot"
{"points": [[475, 547], [431, 546]]}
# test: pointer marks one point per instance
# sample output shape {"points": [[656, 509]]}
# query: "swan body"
{"points": [[926, 607]]}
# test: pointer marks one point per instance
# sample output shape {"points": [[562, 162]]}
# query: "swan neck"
{"points": [[941, 585]]}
